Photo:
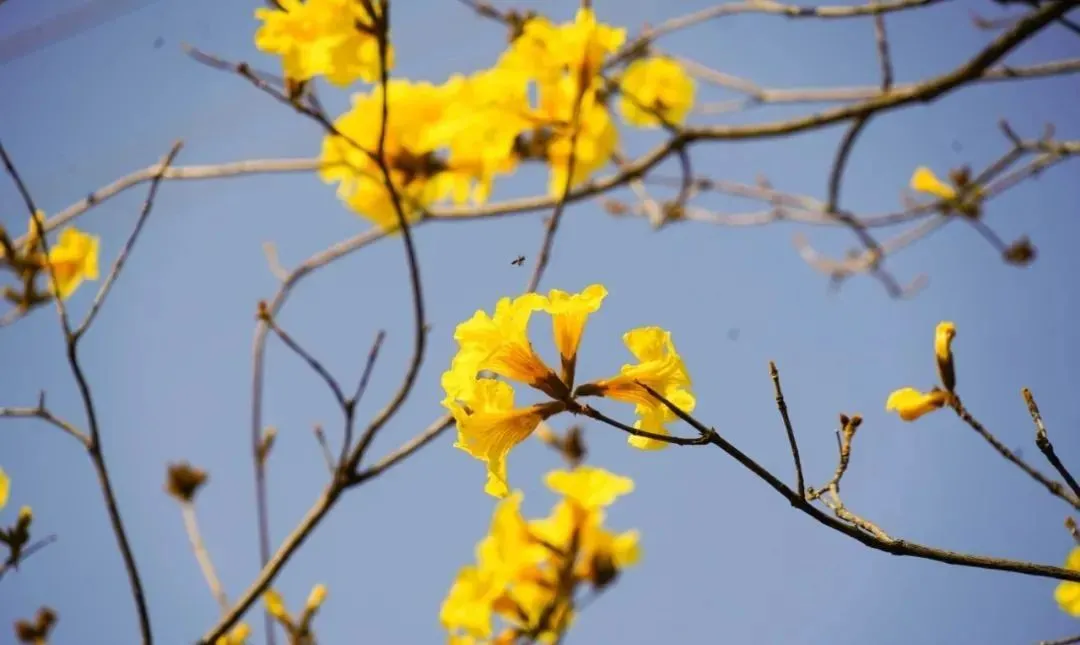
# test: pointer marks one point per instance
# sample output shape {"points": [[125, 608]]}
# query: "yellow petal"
{"points": [[5, 488], [492, 426], [911, 404], [589, 486], [569, 314], [925, 181]]}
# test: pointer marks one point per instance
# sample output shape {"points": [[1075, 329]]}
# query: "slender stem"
{"points": [[191, 524]]}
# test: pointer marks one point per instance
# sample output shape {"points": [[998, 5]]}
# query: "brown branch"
{"points": [[311, 520], [781, 405], [1055, 487], [925, 92], [41, 412], [649, 35], [1042, 440], [758, 95], [312, 362], [118, 264], [879, 542], [94, 447]]}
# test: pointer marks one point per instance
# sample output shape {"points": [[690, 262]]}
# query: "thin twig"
{"points": [[1042, 440], [118, 264], [894, 546], [27, 552], [94, 447], [1055, 487], [206, 564], [312, 362], [781, 405], [43, 413], [311, 520]]}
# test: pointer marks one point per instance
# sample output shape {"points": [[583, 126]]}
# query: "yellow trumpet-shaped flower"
{"points": [[489, 426], [911, 404], [331, 38], [659, 366], [589, 486], [925, 181], [656, 90], [943, 338], [72, 260], [500, 343], [569, 313], [1067, 593]]}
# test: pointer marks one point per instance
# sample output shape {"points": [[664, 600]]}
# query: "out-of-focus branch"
{"points": [[758, 95]]}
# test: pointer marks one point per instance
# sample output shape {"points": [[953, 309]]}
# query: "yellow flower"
{"points": [[569, 313], [275, 605], [925, 181], [546, 52], [501, 344], [5, 488], [485, 114], [655, 417], [468, 605], [652, 86], [564, 61], [659, 366], [593, 540], [73, 260], [589, 486], [911, 404], [322, 38], [1067, 593], [943, 337], [489, 426], [408, 150], [596, 140], [501, 556], [236, 636]]}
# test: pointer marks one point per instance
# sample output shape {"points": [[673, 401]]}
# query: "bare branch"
{"points": [[1042, 440]]}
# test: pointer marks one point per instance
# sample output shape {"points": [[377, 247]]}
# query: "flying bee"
{"points": [[518, 261]]}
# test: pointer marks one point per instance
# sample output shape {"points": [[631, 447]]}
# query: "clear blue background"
{"points": [[725, 559]]}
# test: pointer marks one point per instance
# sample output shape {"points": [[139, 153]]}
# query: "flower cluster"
{"points": [[546, 99], [911, 403], [69, 261], [335, 39], [527, 571], [488, 422]]}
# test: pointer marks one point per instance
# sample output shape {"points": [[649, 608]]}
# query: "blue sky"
{"points": [[724, 558]]}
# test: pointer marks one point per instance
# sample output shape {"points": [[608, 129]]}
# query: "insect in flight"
{"points": [[518, 261]]}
